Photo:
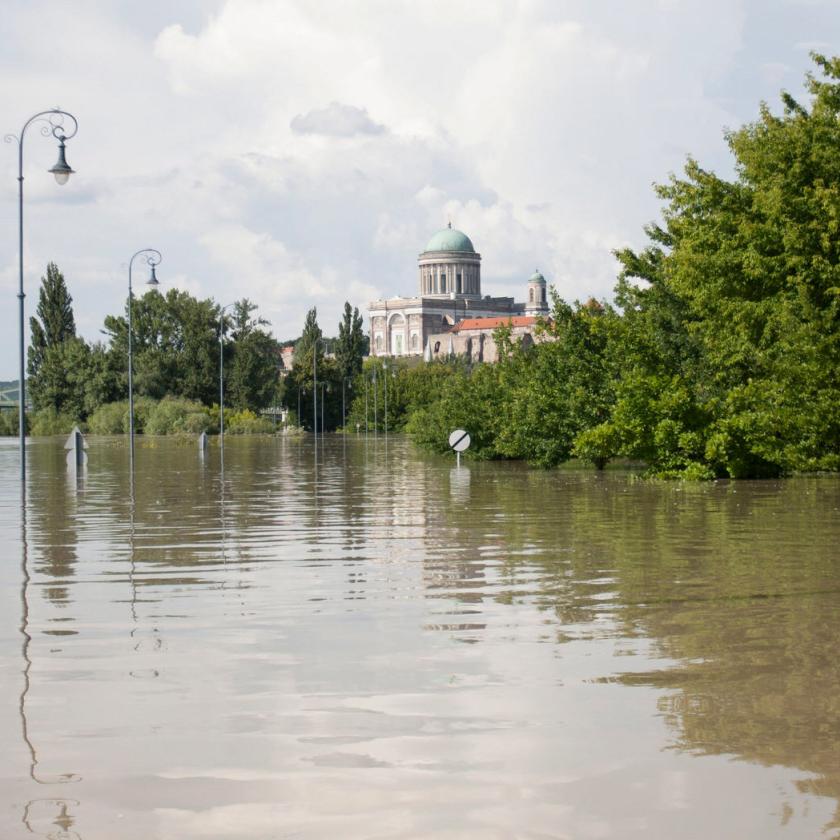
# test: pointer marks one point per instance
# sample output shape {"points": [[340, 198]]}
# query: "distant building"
{"points": [[450, 294], [287, 356]]}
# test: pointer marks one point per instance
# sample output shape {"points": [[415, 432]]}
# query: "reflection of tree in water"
{"points": [[747, 603], [735, 583], [54, 526], [51, 818]]}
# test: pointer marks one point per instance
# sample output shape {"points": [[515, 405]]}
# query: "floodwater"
{"points": [[375, 644]]}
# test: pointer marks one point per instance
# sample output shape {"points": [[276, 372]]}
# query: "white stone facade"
{"points": [[449, 281]]}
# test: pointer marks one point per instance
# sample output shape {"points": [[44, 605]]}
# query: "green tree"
{"points": [[175, 346], [53, 326], [253, 376], [558, 387], [299, 389], [731, 342], [352, 343]]}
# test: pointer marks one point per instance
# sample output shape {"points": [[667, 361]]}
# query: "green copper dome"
{"points": [[536, 277], [450, 239]]}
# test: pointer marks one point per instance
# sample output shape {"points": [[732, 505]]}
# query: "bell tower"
{"points": [[537, 300]]}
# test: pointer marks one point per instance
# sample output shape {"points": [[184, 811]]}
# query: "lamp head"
{"points": [[153, 281], [62, 169]]}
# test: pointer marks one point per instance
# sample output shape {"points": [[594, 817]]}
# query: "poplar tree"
{"points": [[54, 323]]}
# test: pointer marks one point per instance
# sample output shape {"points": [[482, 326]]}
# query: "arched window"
{"points": [[531, 295], [543, 294]]}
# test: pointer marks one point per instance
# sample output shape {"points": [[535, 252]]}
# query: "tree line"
{"points": [[721, 353], [178, 344]]}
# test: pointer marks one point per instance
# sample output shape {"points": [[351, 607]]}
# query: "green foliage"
{"points": [[557, 388], [246, 422], [74, 378], [352, 343], [174, 416], [112, 418], [731, 344], [175, 346], [252, 378], [470, 400], [66, 375], [55, 322], [8, 423], [47, 421], [298, 389]]}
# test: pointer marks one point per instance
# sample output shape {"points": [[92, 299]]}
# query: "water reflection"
{"points": [[51, 818], [555, 653]]}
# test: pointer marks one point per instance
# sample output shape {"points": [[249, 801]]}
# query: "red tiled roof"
{"points": [[494, 323]]}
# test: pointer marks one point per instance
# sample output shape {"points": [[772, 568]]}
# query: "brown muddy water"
{"points": [[374, 644]]}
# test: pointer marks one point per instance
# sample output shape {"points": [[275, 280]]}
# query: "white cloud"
{"points": [[536, 126], [336, 120]]}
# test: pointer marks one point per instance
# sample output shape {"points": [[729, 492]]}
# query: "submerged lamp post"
{"points": [[53, 124], [222, 377], [344, 382], [152, 258], [315, 383], [385, 383]]}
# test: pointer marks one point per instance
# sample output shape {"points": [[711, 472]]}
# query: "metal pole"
{"points": [[343, 403], [130, 388], [54, 119], [153, 258], [375, 417], [367, 410], [323, 401], [222, 377], [385, 380], [315, 390], [221, 385], [21, 296]]}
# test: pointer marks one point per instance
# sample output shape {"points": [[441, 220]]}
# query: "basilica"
{"points": [[450, 315]]}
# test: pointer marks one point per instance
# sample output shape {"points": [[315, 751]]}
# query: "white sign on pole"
{"points": [[459, 440]]}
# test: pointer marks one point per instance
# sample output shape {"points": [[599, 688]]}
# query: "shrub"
{"points": [[48, 421], [109, 419], [112, 418], [8, 423], [245, 422], [172, 416]]}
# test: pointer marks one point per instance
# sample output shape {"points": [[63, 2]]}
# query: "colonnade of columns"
{"points": [[444, 278]]}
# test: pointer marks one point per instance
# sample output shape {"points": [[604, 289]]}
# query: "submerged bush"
{"points": [[174, 416], [8, 423], [112, 418], [48, 421], [245, 422]]}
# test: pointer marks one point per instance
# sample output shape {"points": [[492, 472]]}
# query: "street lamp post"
{"points": [[53, 124], [344, 399], [222, 378], [367, 411], [152, 258], [385, 382], [375, 418], [315, 384]]}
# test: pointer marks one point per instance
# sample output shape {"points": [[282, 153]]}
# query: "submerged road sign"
{"points": [[459, 440]]}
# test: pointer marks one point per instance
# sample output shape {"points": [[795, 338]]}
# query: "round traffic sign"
{"points": [[459, 440]]}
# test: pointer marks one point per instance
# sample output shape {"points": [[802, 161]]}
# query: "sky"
{"points": [[302, 152]]}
